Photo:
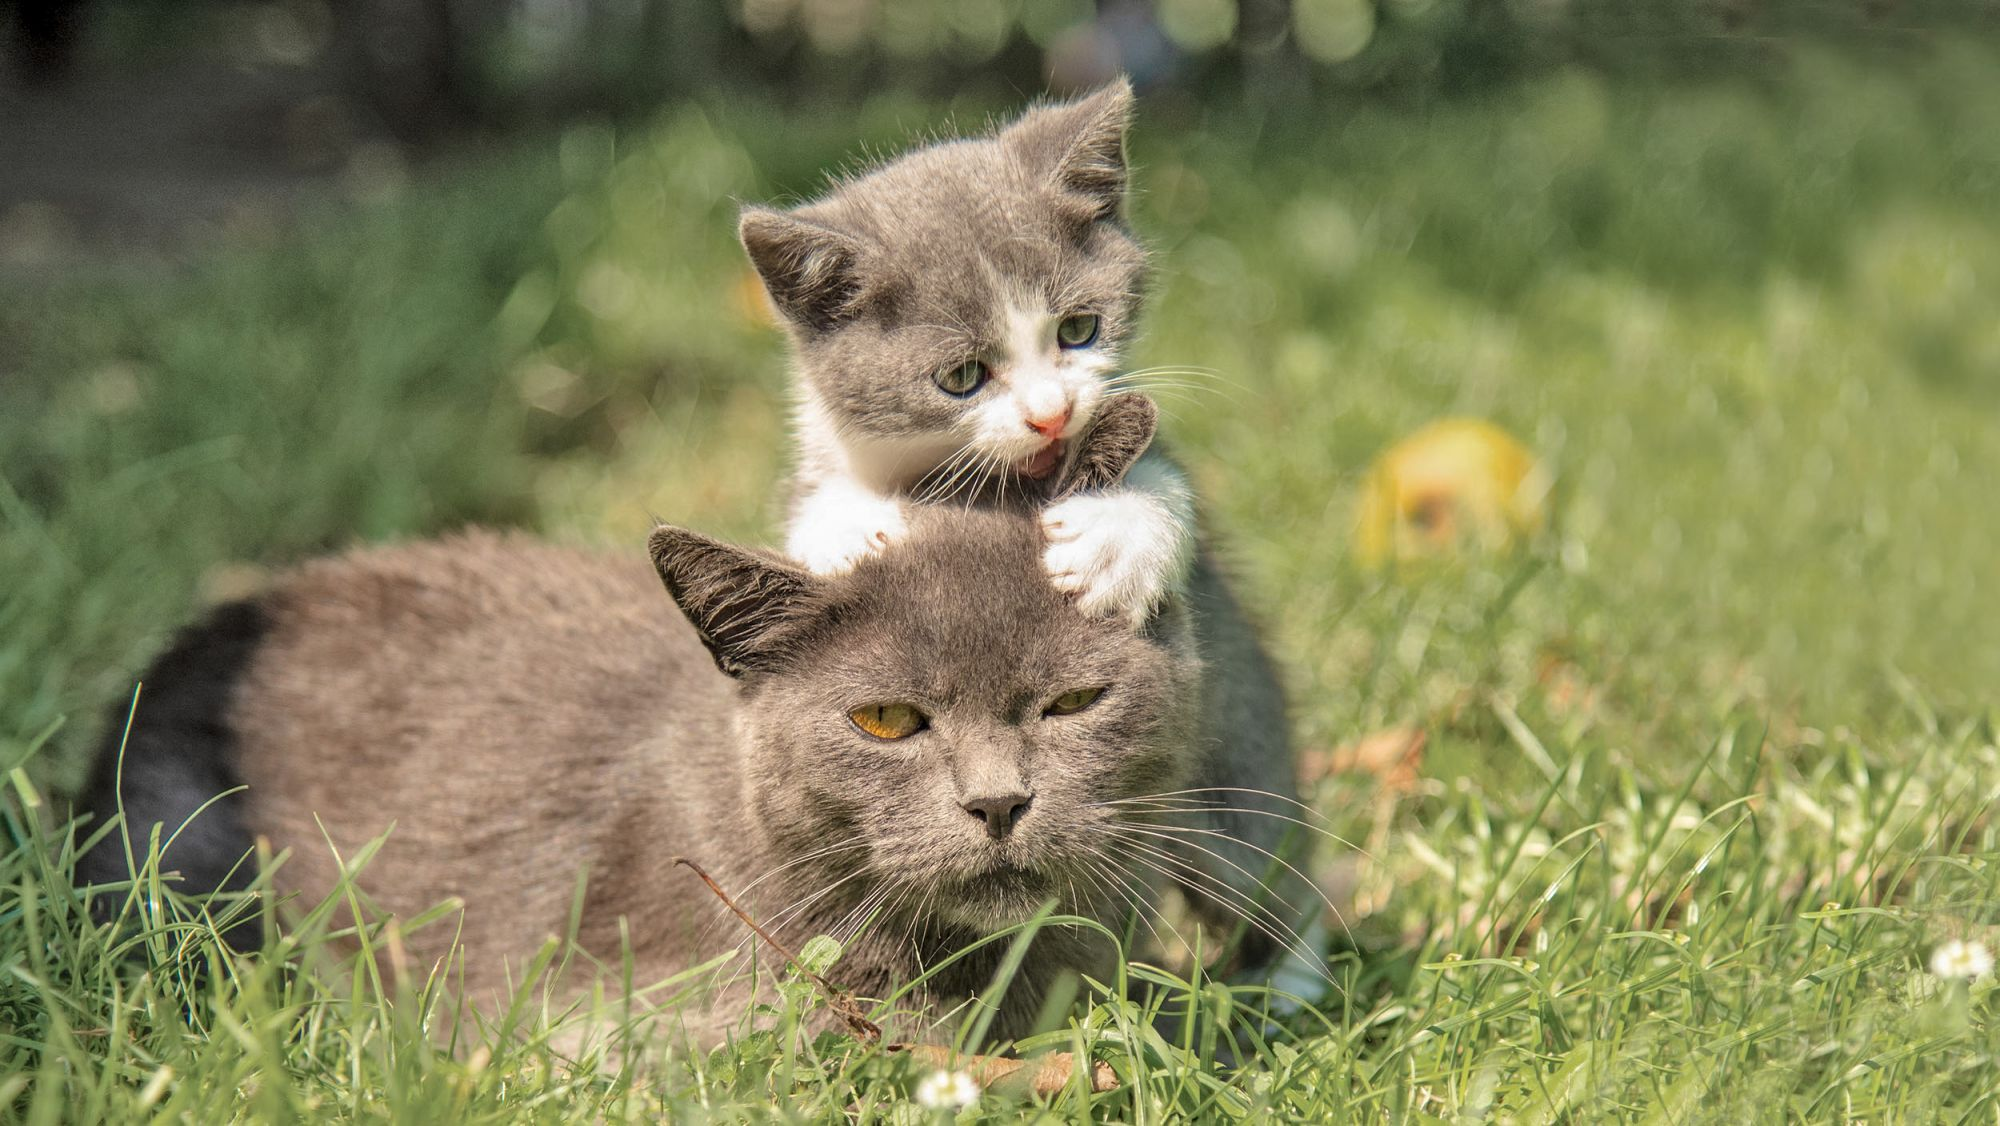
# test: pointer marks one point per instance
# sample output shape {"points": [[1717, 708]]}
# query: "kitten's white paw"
{"points": [[1117, 552], [835, 530]]}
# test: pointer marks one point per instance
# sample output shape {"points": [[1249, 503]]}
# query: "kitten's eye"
{"points": [[1071, 702], [888, 721], [963, 379], [1077, 330]]}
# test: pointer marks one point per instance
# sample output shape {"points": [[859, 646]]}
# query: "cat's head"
{"points": [[967, 300], [945, 706]]}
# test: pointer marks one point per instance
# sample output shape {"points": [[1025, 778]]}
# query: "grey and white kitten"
{"points": [[908, 755], [957, 318]]}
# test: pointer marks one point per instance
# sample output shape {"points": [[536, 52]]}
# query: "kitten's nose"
{"points": [[1050, 426], [998, 811]]}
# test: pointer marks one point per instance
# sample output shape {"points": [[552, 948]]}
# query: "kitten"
{"points": [[957, 316], [935, 738]]}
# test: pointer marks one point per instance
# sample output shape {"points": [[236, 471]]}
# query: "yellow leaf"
{"points": [[1457, 484]]}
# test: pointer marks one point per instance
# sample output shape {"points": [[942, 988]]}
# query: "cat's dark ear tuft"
{"points": [[1124, 427], [1080, 147], [812, 272], [748, 609]]}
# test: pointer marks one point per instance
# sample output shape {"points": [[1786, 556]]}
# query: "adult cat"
{"points": [[908, 755]]}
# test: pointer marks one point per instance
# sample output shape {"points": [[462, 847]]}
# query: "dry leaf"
{"points": [[1393, 756], [751, 301], [1564, 686]]}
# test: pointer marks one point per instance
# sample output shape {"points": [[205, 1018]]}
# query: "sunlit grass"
{"points": [[1710, 759]]}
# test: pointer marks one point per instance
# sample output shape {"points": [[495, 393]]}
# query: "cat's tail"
{"points": [[174, 753]]}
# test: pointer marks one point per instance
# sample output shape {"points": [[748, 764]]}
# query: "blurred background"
{"points": [[1705, 294]]}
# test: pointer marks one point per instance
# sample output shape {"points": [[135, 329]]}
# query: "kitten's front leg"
{"points": [[840, 522], [1120, 550]]}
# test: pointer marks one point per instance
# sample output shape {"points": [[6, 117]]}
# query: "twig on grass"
{"points": [[838, 999]]}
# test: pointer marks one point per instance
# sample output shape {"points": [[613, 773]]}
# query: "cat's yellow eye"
{"points": [[961, 379], [1071, 702], [888, 721], [1078, 330]]}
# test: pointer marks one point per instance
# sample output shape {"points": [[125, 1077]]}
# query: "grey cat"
{"points": [[908, 755], [957, 318]]}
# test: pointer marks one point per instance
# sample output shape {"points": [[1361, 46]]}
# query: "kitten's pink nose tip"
{"points": [[1050, 426]]}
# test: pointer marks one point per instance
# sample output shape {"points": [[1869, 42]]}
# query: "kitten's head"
{"points": [[944, 704], [969, 299]]}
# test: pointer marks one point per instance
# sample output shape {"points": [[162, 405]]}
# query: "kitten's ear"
{"points": [[812, 272], [1080, 147], [1122, 431], [747, 609]]}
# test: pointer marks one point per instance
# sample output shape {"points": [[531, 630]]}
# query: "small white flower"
{"points": [[948, 1090], [1959, 958]]}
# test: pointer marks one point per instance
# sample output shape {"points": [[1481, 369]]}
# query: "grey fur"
{"points": [[904, 270], [524, 716], [1121, 436]]}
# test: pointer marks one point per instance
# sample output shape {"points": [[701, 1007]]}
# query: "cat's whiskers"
{"points": [[864, 914], [1131, 855], [1162, 407], [990, 467], [1141, 904], [1183, 801], [1264, 918], [1171, 379], [1002, 470], [1247, 902], [1212, 375], [1129, 383], [857, 916], [1098, 869], [975, 466], [743, 894], [1189, 393], [944, 477], [1251, 790], [993, 468], [1296, 946], [1168, 376], [1182, 834], [848, 845], [1162, 808], [913, 929], [1235, 901], [1098, 872], [777, 922]]}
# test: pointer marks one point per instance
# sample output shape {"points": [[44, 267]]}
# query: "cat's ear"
{"points": [[1123, 429], [812, 272], [1080, 147], [749, 610]]}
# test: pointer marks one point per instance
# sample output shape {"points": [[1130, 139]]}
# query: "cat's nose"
{"points": [[1050, 426], [999, 812]]}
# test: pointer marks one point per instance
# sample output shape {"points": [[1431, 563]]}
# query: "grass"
{"points": [[1711, 763]]}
